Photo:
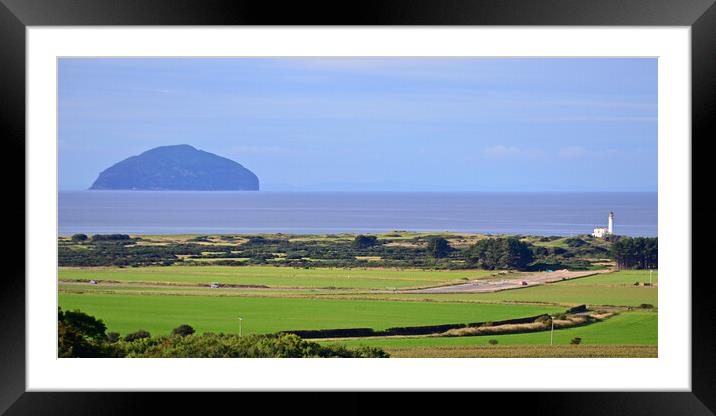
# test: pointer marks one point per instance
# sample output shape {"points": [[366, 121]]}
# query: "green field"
{"points": [[628, 328], [376, 278], [615, 289], [620, 278], [570, 295], [160, 298], [159, 314], [610, 289]]}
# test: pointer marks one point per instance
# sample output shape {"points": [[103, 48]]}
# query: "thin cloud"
{"points": [[572, 152], [501, 151]]}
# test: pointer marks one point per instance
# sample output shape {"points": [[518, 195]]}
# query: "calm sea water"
{"points": [[144, 212]]}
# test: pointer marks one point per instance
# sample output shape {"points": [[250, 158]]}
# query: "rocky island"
{"points": [[177, 168]]}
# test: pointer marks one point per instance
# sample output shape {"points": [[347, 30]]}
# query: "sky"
{"points": [[372, 124]]}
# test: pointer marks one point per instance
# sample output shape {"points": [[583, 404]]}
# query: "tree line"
{"points": [[435, 252], [636, 253]]}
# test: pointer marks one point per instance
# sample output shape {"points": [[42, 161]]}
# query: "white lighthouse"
{"points": [[602, 232]]}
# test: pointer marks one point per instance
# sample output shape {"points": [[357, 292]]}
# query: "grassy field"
{"points": [[619, 278], [604, 289], [159, 299], [628, 328], [612, 289], [159, 314], [375, 278]]}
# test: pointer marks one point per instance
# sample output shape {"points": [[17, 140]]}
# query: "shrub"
{"points": [[112, 337], [234, 346], [492, 342], [576, 341], [110, 237], [558, 251], [575, 242], [646, 306], [438, 247], [182, 330], [370, 352], [79, 238], [137, 335], [365, 241]]}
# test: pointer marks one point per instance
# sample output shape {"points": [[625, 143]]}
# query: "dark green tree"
{"points": [[78, 238], [438, 247], [81, 335], [636, 253], [110, 237], [365, 241], [500, 253], [87, 325]]}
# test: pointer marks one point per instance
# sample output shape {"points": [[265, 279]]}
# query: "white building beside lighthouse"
{"points": [[601, 232]]}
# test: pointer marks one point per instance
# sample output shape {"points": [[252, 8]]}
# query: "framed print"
{"points": [[440, 198]]}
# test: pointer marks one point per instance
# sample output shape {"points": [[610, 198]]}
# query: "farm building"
{"points": [[602, 232]]}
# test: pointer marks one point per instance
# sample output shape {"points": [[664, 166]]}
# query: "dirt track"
{"points": [[481, 286]]}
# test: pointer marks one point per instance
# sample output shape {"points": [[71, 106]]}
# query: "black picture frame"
{"points": [[16, 15]]}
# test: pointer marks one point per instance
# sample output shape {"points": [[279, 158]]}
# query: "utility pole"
{"points": [[241, 327], [650, 276], [551, 332]]}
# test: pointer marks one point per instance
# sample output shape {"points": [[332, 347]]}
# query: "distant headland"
{"points": [[177, 168]]}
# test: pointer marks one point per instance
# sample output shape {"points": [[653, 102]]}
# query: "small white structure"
{"points": [[215, 285], [602, 232]]}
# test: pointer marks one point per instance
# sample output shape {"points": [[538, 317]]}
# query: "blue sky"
{"points": [[372, 124]]}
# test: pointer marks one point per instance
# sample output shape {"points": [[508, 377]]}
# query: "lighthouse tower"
{"points": [[602, 232]]}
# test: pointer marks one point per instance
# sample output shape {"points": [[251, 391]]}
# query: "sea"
{"points": [[204, 212]]}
